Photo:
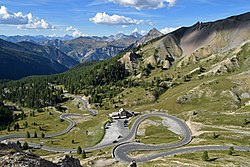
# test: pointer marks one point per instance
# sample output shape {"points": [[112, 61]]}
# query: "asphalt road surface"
{"points": [[126, 144], [120, 152], [64, 117], [85, 105]]}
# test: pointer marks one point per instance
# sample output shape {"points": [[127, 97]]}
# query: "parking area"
{"points": [[114, 131]]}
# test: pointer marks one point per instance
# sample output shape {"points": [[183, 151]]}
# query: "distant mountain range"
{"points": [[35, 55], [17, 61], [51, 53], [81, 49], [86, 49], [48, 55], [35, 39]]}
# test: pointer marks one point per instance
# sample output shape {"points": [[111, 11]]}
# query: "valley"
{"points": [[185, 94]]}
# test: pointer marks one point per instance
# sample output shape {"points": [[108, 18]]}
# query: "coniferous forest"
{"points": [[90, 78]]}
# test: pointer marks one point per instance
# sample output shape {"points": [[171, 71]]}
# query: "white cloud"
{"points": [[9, 18], [171, 2], [145, 4], [75, 31], [168, 30], [27, 21], [103, 18]]}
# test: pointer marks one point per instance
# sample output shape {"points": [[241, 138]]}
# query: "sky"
{"points": [[108, 17]]}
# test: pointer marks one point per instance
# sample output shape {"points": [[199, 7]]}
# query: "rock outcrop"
{"points": [[11, 155], [131, 61]]}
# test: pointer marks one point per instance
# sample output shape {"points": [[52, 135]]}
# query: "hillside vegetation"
{"points": [[158, 65], [200, 74]]}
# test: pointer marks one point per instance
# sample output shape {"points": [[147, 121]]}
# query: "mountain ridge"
{"points": [[50, 53], [86, 49], [208, 86], [17, 62], [189, 43]]}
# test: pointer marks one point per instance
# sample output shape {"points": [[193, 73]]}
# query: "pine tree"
{"points": [[214, 135], [18, 144], [25, 146], [26, 124], [79, 150], [205, 156], [16, 127], [43, 135], [231, 151], [22, 115], [28, 134], [83, 154]]}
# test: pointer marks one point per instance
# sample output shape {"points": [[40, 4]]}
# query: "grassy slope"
{"points": [[214, 108], [157, 134], [49, 123], [217, 158]]}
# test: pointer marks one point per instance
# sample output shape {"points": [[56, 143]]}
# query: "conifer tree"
{"points": [[79, 150], [205, 156]]}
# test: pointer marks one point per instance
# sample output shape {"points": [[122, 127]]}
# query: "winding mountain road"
{"points": [[85, 105], [125, 145], [121, 152], [64, 117]]}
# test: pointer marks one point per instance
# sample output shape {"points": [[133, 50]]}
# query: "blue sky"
{"points": [[106, 17]]}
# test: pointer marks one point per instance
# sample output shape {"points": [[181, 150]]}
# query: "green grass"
{"points": [[86, 133], [167, 101], [132, 120], [49, 123], [218, 118], [244, 109], [74, 106], [132, 97], [212, 129], [157, 134], [40, 152], [224, 138], [88, 130], [217, 158]]}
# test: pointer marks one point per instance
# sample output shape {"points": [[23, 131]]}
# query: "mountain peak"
{"points": [[119, 36], [154, 31], [152, 34], [136, 34]]}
